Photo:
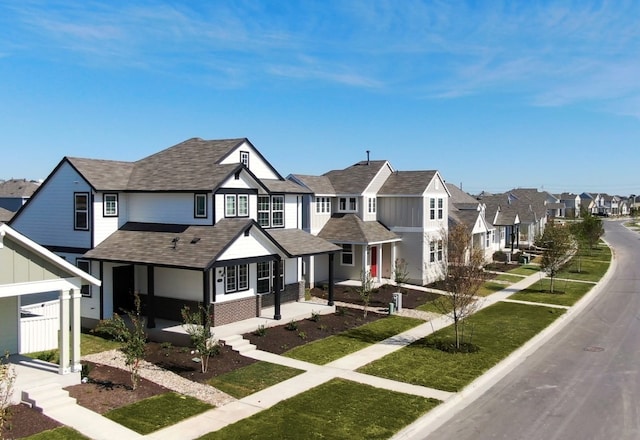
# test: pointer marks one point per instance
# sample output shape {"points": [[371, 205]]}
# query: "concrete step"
{"points": [[47, 398], [239, 344]]}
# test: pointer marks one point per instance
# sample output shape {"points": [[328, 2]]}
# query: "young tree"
{"points": [[590, 230], [198, 326], [365, 289], [133, 338], [557, 243], [463, 278], [400, 273], [7, 380]]}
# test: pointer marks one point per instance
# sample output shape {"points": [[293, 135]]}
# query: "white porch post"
{"points": [[311, 271], [393, 259], [75, 330], [379, 262], [63, 334], [365, 266]]}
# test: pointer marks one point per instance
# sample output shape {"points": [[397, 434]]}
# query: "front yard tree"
{"points": [[590, 230], [198, 326], [557, 242], [132, 337], [365, 289], [7, 380], [400, 273], [464, 277]]}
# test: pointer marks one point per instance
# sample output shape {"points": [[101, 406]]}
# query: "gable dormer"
{"points": [[246, 154]]}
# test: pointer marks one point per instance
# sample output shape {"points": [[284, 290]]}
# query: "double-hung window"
{"points": [[236, 205], [243, 205], [267, 276], [200, 205], [271, 211], [347, 254], [348, 204], [436, 251], [230, 205], [110, 205], [277, 211], [264, 211], [440, 209], [81, 211], [236, 278], [432, 209], [323, 205], [372, 205]]}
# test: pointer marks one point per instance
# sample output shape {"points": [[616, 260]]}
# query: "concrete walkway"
{"points": [[314, 375]]}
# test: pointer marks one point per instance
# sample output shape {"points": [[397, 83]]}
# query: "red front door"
{"points": [[374, 261]]}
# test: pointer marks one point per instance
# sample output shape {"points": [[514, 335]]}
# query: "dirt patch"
{"points": [[411, 298], [26, 421]]}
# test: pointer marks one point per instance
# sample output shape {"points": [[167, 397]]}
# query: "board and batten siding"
{"points": [[258, 166], [48, 218], [405, 212], [172, 208], [105, 226], [253, 245], [178, 283]]}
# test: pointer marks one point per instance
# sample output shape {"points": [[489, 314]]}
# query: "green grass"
{"points": [[580, 268], [488, 288], [252, 378], [334, 347], [525, 270], [89, 344], [565, 293], [432, 306], [508, 277], [61, 433], [157, 412], [497, 331], [336, 410]]}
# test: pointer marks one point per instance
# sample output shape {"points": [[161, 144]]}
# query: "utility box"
{"points": [[397, 300], [525, 258]]}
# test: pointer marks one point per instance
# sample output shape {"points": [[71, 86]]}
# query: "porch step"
{"points": [[47, 398], [239, 344]]}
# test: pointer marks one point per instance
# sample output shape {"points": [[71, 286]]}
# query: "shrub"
{"points": [[292, 325], [302, 335], [198, 326], [500, 256], [260, 331], [7, 380], [315, 316]]}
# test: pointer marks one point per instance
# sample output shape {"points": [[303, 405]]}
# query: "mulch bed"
{"points": [[26, 421], [381, 298]]}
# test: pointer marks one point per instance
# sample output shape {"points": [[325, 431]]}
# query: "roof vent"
{"points": [[368, 151], [194, 240], [175, 241]]}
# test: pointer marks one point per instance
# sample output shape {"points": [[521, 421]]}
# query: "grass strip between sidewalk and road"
{"points": [[157, 412], [496, 330], [336, 410], [565, 293], [252, 378], [334, 347]]}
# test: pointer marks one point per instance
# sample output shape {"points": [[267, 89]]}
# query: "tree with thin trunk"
{"points": [[464, 277], [365, 289], [7, 380], [132, 337], [590, 230], [400, 273], [198, 326], [557, 242]]}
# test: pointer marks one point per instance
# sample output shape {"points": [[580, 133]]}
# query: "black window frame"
{"points": [[347, 250], [202, 196], [85, 289], [84, 212], [244, 154]]}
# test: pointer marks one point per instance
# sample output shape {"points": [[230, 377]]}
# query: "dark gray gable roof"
{"points": [[319, 185], [356, 178], [349, 228], [284, 186], [459, 197], [410, 183], [17, 188], [197, 247], [103, 175], [467, 218], [5, 215], [298, 243]]}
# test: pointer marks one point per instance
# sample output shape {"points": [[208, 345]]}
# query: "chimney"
{"points": [[368, 156]]}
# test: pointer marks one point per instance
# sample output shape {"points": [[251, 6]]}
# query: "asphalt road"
{"points": [[584, 384]]}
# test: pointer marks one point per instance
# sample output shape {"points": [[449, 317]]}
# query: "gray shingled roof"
{"points": [[104, 175], [319, 185], [356, 178], [284, 186], [459, 197], [17, 188], [148, 243], [410, 183], [5, 215], [349, 228], [467, 218], [299, 243]]}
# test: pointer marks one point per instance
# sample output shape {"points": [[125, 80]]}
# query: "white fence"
{"points": [[39, 327]]}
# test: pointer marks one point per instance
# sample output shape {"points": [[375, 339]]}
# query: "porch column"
{"points": [[151, 297], [76, 294], [102, 290], [393, 259], [63, 333], [365, 266], [311, 271], [276, 285], [379, 263], [331, 282]]}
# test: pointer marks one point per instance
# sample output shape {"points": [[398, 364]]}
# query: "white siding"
{"points": [[257, 165], [291, 218], [401, 211], [173, 208], [291, 271], [248, 246], [105, 226], [48, 219], [178, 283]]}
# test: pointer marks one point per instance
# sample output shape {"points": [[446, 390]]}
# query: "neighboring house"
{"points": [[15, 192], [28, 269], [571, 204], [378, 216], [5, 215], [464, 209], [504, 215], [624, 206], [203, 222], [588, 203]]}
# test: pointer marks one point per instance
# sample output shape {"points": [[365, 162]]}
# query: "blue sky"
{"points": [[494, 95]]}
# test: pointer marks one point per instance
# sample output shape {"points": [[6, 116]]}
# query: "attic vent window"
{"points": [[244, 158], [194, 240]]}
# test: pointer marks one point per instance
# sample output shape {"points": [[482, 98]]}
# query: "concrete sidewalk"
{"points": [[313, 375]]}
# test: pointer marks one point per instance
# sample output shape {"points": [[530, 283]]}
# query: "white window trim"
{"points": [[197, 197], [347, 204], [227, 211], [347, 252], [372, 205], [105, 205], [239, 211]]}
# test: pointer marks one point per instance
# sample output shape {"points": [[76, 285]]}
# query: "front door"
{"points": [[123, 285], [374, 262]]}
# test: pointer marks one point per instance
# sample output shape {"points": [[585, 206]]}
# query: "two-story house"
{"points": [[203, 222], [378, 216]]}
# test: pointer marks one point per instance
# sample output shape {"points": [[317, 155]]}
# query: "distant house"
{"points": [[15, 192], [378, 215], [466, 210], [588, 203], [28, 269], [203, 222], [571, 204]]}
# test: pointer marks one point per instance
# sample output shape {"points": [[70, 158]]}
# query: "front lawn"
{"points": [[61, 433], [157, 412], [252, 378], [525, 270], [89, 344], [334, 347], [565, 293], [488, 288], [338, 409], [496, 330]]}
